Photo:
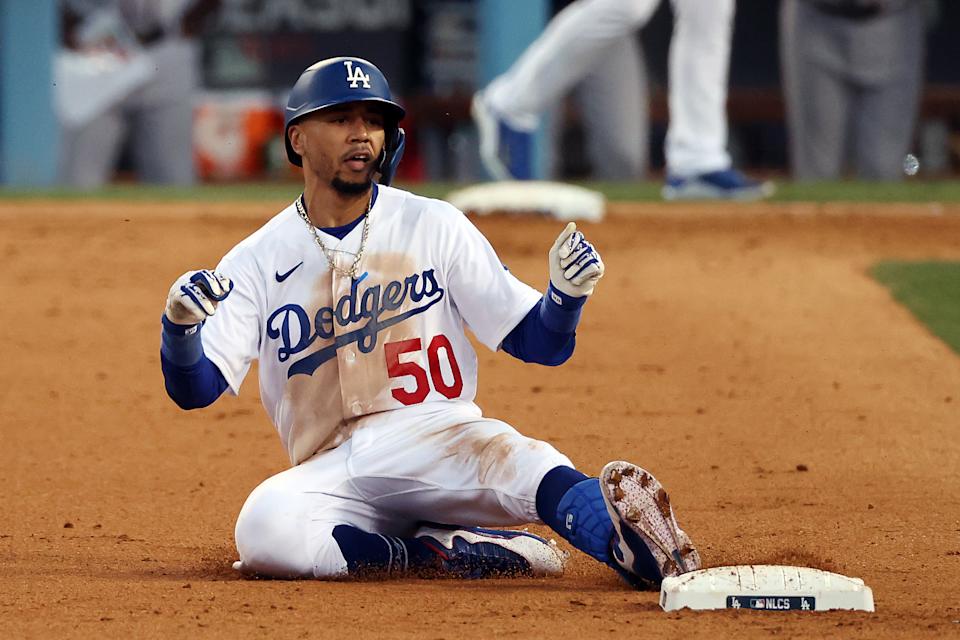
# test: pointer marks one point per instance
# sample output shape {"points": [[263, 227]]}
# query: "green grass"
{"points": [[907, 191], [843, 191], [649, 191], [930, 290]]}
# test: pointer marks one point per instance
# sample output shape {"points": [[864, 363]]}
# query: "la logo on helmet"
{"points": [[356, 76]]}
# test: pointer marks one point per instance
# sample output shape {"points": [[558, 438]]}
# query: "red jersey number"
{"points": [[396, 369]]}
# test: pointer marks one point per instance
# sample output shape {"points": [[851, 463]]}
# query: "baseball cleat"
{"points": [[647, 545], [472, 552], [728, 184], [506, 151]]}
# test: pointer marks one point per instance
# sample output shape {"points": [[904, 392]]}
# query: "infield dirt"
{"points": [[741, 353]]}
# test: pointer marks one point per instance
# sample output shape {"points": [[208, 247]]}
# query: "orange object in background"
{"points": [[238, 136]]}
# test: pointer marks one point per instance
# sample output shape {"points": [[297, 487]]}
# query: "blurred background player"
{"points": [[156, 116], [852, 76], [591, 40]]}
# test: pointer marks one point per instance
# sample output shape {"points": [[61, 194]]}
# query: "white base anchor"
{"points": [[765, 588]]}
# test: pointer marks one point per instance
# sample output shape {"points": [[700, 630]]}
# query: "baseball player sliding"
{"points": [[354, 300]]}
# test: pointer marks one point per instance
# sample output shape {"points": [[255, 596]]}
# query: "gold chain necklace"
{"points": [[329, 253]]}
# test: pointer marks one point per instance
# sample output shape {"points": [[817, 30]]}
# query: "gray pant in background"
{"points": [[157, 120], [852, 89], [616, 114]]}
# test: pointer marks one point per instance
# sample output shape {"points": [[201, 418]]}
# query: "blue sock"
{"points": [[368, 553], [572, 505]]}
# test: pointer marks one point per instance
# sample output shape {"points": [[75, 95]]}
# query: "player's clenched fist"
{"points": [[575, 266], [194, 296]]}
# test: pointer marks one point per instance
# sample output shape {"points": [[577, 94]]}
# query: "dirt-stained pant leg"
{"points": [[462, 470], [473, 472], [285, 529]]}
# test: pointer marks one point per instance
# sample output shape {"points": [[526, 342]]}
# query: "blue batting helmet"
{"points": [[337, 81]]}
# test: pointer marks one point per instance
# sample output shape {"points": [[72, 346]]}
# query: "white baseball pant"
{"points": [[463, 470], [576, 44]]}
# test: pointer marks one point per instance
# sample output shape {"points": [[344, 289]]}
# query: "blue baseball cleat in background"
{"points": [[472, 552], [506, 151], [728, 184], [648, 545]]}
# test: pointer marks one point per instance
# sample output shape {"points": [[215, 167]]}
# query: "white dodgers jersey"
{"points": [[334, 352]]}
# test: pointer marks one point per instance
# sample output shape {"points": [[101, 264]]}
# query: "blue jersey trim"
{"points": [[341, 232]]}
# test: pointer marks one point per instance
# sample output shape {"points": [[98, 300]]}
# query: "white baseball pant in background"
{"points": [[576, 45]]}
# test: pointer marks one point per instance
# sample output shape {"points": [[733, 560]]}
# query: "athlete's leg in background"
{"points": [[887, 110], [699, 63], [616, 114], [573, 45], [89, 154], [819, 99], [164, 150], [163, 115]]}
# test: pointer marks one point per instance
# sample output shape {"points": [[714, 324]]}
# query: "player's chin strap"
{"points": [[390, 158]]}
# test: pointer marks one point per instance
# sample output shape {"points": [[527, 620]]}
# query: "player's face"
{"points": [[341, 145]]}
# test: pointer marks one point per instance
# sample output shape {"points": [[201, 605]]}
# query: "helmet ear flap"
{"points": [[391, 155]]}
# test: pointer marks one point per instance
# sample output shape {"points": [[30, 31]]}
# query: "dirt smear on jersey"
{"points": [[741, 353]]}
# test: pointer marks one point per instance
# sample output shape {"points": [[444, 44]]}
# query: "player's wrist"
{"points": [[563, 299], [560, 312], [178, 329], [180, 344]]}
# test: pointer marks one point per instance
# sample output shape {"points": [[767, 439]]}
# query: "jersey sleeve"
{"points": [[231, 337], [490, 299]]}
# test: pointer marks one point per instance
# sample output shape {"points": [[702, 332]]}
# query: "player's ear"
{"points": [[296, 138]]}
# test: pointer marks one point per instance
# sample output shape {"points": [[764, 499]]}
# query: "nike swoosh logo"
{"points": [[283, 276]]}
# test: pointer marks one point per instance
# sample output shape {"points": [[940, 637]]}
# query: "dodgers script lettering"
{"points": [[292, 325]]}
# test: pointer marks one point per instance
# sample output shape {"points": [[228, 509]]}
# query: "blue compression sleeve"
{"points": [[191, 379], [572, 504], [547, 334]]}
